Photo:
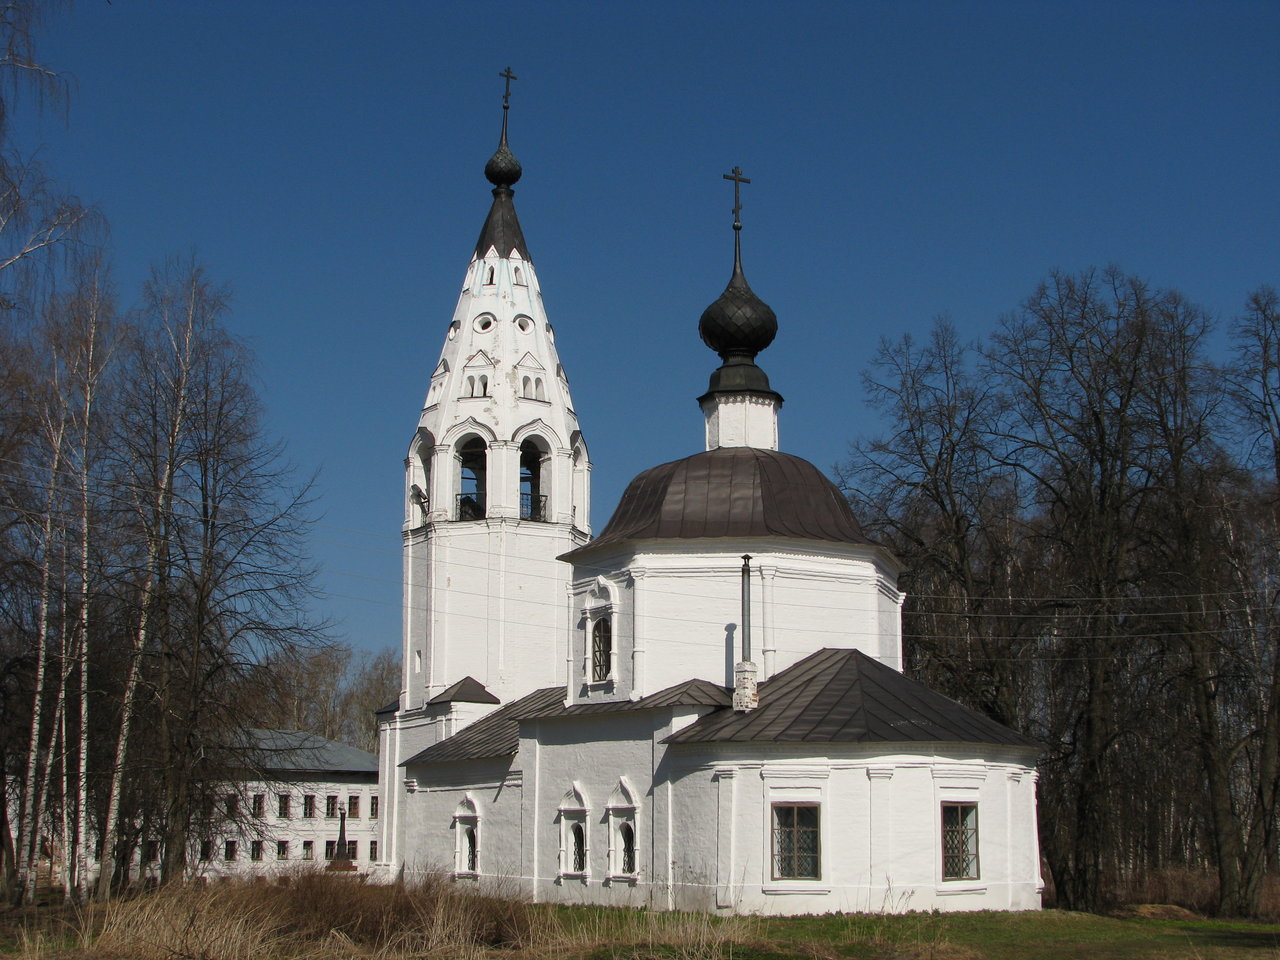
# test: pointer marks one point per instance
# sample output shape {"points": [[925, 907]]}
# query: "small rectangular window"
{"points": [[796, 854], [373, 850], [308, 850], [233, 806], [330, 849], [309, 805], [353, 849], [282, 849], [150, 851], [331, 805], [255, 850], [284, 806], [258, 808], [353, 806], [206, 851], [373, 808], [959, 841], [229, 851]]}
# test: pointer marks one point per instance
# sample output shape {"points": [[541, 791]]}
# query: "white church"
{"points": [[575, 715]]}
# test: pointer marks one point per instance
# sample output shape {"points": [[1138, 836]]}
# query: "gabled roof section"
{"points": [[293, 751], [845, 696], [497, 735], [690, 693], [501, 230], [466, 690], [392, 707]]}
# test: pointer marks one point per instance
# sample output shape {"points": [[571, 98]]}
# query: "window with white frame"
{"points": [[960, 841], [466, 838], [796, 847], [574, 850], [621, 810]]}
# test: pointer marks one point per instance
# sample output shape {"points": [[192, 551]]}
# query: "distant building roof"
{"points": [[730, 492], [847, 696], [294, 751]]}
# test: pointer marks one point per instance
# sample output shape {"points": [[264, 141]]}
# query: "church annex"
{"points": [[576, 717]]}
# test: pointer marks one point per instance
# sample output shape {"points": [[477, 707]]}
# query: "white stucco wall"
{"points": [[702, 815], [676, 607]]}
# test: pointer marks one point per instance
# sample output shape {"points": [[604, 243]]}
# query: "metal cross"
{"points": [[506, 96], [738, 180]]}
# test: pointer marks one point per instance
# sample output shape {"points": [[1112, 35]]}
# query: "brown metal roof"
{"points": [[466, 690], [731, 492], [501, 228], [847, 696], [497, 735], [689, 693]]}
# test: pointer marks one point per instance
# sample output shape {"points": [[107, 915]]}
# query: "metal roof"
{"points": [[847, 696], [502, 228], [688, 693], [497, 735], [294, 751], [730, 492], [466, 690]]}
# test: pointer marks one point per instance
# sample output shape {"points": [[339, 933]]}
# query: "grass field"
{"points": [[319, 917]]}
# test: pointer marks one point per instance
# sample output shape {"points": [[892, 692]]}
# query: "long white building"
{"points": [[701, 708]]}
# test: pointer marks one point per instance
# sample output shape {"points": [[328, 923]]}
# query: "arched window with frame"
{"points": [[621, 810], [533, 464], [466, 849], [601, 650], [574, 850], [472, 479]]}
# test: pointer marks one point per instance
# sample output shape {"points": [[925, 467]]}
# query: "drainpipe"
{"points": [[744, 672]]}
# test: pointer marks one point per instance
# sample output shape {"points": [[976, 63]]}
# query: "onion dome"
{"points": [[503, 169], [731, 492], [738, 325]]}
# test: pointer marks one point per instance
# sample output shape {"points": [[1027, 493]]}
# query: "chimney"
{"points": [[744, 672]]}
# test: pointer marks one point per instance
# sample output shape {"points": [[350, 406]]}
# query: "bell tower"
{"points": [[497, 485]]}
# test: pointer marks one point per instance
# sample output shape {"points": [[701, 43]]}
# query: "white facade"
{"points": [[566, 724]]}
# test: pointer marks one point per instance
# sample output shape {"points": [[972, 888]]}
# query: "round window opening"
{"points": [[524, 323], [484, 324]]}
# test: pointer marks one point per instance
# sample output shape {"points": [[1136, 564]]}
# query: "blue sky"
{"points": [[908, 160]]}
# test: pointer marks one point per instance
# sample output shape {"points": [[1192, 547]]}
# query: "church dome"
{"points": [[738, 322], [735, 492], [503, 169]]}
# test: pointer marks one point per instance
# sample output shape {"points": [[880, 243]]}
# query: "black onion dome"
{"points": [[503, 169], [739, 492], [738, 324]]}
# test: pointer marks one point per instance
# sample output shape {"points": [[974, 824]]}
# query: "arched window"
{"points": [[519, 277], [470, 851], [578, 834], [526, 388], [538, 392], [601, 649], [573, 833], [627, 842], [533, 502], [472, 479], [484, 385], [471, 386], [466, 849], [489, 276]]}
